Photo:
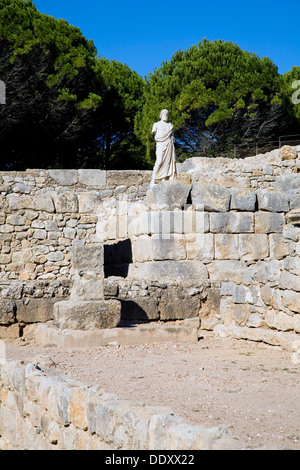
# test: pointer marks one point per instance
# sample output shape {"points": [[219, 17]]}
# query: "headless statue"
{"points": [[165, 165]]}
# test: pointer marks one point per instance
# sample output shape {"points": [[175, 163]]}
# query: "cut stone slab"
{"points": [[35, 310], [272, 201], [243, 200], [88, 259], [46, 335], [92, 315], [209, 197], [168, 195], [168, 270], [64, 177]]}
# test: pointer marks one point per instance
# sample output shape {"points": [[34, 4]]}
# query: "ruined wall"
{"points": [[42, 411], [226, 233]]}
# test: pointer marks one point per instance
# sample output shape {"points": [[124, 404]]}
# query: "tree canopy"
{"points": [[217, 95], [68, 107]]}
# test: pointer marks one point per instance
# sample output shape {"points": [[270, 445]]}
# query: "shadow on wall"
{"points": [[117, 258]]}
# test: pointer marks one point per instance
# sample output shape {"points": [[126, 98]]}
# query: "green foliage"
{"points": [[66, 107], [69, 107], [217, 95]]}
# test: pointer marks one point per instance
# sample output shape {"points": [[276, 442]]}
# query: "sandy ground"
{"points": [[251, 388]]}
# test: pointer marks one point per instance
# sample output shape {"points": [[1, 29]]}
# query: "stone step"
{"points": [[177, 332]]}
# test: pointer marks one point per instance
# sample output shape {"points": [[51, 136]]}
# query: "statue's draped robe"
{"points": [[165, 165]]}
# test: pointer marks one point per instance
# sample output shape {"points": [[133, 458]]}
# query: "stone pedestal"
{"points": [[86, 309]]}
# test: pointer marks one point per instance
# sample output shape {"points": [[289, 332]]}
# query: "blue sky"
{"points": [[143, 34]]}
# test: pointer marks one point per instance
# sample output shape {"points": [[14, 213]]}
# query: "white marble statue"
{"points": [[165, 165]]}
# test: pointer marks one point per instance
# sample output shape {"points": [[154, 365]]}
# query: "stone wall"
{"points": [[39, 410], [221, 242]]}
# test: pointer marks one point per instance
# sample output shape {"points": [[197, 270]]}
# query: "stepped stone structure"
{"points": [[82, 251], [86, 249]]}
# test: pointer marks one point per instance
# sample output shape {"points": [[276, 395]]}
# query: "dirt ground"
{"points": [[251, 388]]}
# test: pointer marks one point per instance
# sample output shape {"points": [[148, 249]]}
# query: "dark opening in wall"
{"points": [[117, 258]]}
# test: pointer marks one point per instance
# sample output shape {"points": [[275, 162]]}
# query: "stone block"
{"points": [[10, 332], [200, 246], [288, 183], [7, 311], [280, 247], [289, 281], [243, 200], [86, 287], [88, 259], [168, 195], [35, 310], [89, 202], [209, 197], [227, 270], [65, 202], [175, 304], [267, 271], [279, 320], [64, 177], [87, 315], [291, 264], [142, 249], [291, 300], [226, 246], [232, 222], [168, 249], [272, 201], [294, 199], [179, 270], [268, 222], [253, 246], [43, 202], [288, 153], [92, 177]]}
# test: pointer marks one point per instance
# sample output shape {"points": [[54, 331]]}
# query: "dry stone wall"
{"points": [[221, 242], [40, 410]]}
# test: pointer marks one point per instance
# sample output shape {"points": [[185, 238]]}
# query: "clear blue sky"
{"points": [[143, 34]]}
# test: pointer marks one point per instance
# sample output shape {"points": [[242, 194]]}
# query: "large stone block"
{"points": [[289, 281], [243, 200], [65, 202], [175, 304], [200, 246], [253, 246], [35, 310], [179, 270], [87, 315], [209, 197], [41, 202], [92, 177], [7, 311], [227, 270], [86, 287], [64, 177], [168, 249], [288, 183], [291, 300], [226, 246], [232, 222], [280, 247], [268, 222], [90, 202], [272, 201], [88, 259], [168, 195]]}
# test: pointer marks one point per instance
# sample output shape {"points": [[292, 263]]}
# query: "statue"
{"points": [[165, 165]]}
